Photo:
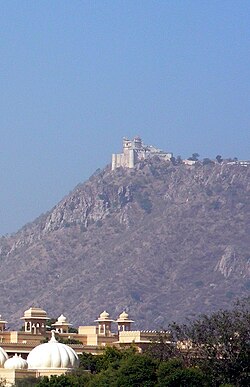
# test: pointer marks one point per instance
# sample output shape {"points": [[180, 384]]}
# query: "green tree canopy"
{"points": [[220, 344]]}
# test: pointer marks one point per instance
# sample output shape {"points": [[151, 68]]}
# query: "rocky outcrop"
{"points": [[230, 263], [159, 240]]}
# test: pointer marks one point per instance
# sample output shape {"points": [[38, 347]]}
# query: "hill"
{"points": [[161, 241]]}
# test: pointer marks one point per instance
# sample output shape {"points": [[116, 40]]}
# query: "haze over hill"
{"points": [[161, 241]]}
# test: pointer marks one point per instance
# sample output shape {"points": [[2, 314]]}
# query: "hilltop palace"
{"points": [[34, 350], [135, 151]]}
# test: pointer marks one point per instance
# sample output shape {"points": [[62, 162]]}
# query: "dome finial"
{"points": [[53, 337]]}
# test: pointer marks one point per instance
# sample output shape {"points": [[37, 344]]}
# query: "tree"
{"points": [[162, 348], [219, 159], [2, 382], [124, 368], [49, 323], [73, 330], [110, 358], [26, 382], [207, 161], [172, 373], [194, 157], [106, 378], [137, 370], [178, 160], [68, 380], [89, 362], [166, 368], [173, 160], [220, 344]]}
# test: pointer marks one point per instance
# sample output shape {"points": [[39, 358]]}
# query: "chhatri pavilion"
{"points": [[35, 350]]}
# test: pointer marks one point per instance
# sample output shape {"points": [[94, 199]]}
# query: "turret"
{"points": [[2, 324], [104, 324], [35, 320], [124, 323], [137, 142], [62, 325], [127, 144]]}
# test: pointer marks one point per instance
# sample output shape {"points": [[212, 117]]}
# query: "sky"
{"points": [[77, 76]]}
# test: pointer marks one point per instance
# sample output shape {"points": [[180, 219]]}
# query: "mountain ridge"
{"points": [[161, 241]]}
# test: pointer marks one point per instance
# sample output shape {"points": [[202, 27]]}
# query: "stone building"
{"points": [[25, 353], [2, 324], [35, 320], [135, 151], [52, 358], [62, 325]]}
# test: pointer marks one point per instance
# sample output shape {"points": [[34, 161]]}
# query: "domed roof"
{"points": [[37, 313], [104, 317], [3, 357], [123, 317], [16, 363], [52, 355], [104, 314], [61, 321], [2, 321], [62, 318]]}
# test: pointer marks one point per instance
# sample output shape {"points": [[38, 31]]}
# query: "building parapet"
{"points": [[189, 162], [243, 163], [135, 151]]}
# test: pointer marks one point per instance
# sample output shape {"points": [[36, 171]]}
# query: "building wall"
{"points": [[11, 376], [135, 151]]}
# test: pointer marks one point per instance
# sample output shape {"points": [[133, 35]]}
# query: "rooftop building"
{"points": [[26, 353], [135, 151]]}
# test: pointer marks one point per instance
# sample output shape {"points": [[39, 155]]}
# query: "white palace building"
{"points": [[35, 350]]}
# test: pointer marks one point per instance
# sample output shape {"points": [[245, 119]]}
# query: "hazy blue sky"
{"points": [[77, 76]]}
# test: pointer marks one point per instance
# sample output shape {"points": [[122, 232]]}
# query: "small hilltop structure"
{"points": [[135, 151]]}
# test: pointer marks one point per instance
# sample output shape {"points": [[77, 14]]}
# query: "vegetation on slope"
{"points": [[162, 241]]}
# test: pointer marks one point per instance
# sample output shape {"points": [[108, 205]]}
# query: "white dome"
{"points": [[52, 355], [123, 318], [123, 315], [16, 363], [3, 357], [104, 315], [62, 318]]}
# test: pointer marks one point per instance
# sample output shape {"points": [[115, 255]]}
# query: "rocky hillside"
{"points": [[163, 242]]}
